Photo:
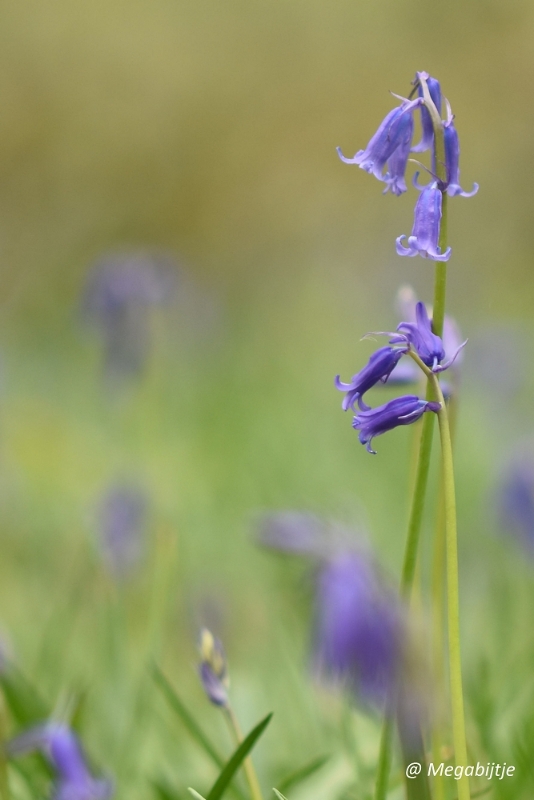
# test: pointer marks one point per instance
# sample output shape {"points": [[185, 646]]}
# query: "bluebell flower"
{"points": [[396, 167], [401, 411], [426, 344], [395, 132], [122, 520], [379, 367], [452, 159], [407, 371], [62, 748], [434, 89], [213, 669], [359, 629], [426, 228]]}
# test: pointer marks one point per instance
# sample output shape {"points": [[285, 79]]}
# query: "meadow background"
{"points": [[207, 131]]}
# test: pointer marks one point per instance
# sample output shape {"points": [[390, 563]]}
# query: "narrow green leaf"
{"points": [[237, 759], [279, 794], [302, 773], [22, 698], [190, 723], [163, 790], [195, 794]]}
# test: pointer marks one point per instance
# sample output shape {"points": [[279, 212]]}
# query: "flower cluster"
{"points": [[390, 149], [413, 336]]}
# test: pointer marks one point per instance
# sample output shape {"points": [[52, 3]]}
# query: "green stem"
{"points": [[437, 593], [425, 444], [248, 766], [453, 594], [384, 759], [453, 604], [4, 784]]}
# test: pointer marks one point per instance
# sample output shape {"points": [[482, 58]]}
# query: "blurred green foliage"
{"points": [[208, 130]]}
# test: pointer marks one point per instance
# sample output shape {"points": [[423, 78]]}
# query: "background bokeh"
{"points": [[207, 131]]}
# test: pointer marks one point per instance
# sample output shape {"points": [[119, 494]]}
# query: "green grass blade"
{"points": [[237, 759], [23, 700], [279, 795], [195, 794], [163, 790], [302, 773], [190, 723]]}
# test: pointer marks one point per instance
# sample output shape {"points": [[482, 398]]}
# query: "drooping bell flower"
{"points": [[213, 669], [426, 228], [395, 131], [407, 371], [452, 158], [427, 345], [400, 411], [379, 367], [394, 178], [62, 748], [359, 629], [434, 89]]}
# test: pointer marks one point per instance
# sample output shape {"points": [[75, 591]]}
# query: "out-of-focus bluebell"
{"points": [[294, 532], [434, 89], [119, 292], [515, 499], [426, 227], [121, 523], [380, 366], [62, 748], [394, 134], [359, 628], [361, 637], [400, 411], [213, 669]]}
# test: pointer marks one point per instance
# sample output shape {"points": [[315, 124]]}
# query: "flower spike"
{"points": [[426, 227], [401, 411]]}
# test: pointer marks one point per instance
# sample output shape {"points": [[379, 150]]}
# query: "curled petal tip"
{"points": [[354, 160]]}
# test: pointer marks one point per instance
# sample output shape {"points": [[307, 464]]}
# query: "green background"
{"points": [[208, 131]]}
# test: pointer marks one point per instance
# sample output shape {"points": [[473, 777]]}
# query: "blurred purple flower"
{"points": [[395, 132], [359, 629], [293, 532], [62, 748], [213, 669], [515, 500], [434, 89], [426, 228], [122, 518], [116, 300], [381, 364], [400, 411]]}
